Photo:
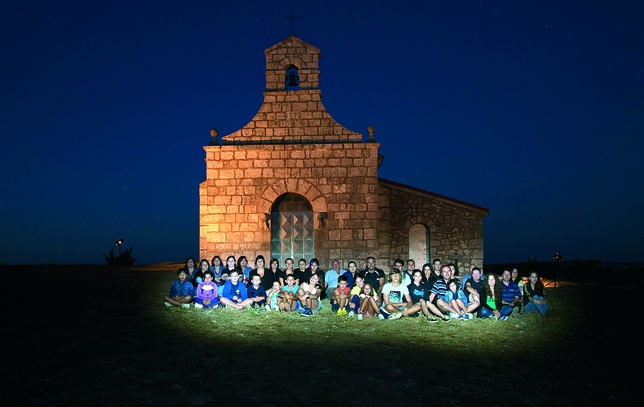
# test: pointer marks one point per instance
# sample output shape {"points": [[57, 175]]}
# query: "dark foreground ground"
{"points": [[95, 336]]}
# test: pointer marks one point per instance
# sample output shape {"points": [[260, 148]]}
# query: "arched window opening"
{"points": [[292, 78]]}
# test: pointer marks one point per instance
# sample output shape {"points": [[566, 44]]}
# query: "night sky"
{"points": [[533, 109]]}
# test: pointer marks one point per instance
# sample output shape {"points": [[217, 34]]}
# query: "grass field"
{"points": [[96, 336]]}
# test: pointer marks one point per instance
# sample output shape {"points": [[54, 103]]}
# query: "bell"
{"points": [[292, 79]]}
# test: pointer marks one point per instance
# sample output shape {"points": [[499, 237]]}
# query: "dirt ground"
{"points": [[95, 336]]}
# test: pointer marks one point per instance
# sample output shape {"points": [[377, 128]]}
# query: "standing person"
{"points": [[242, 265], [511, 294], [289, 271], [535, 298], [181, 292], [400, 266], [217, 270], [231, 265], [191, 269], [207, 295], [301, 266], [234, 294], [308, 296], [419, 294], [204, 267], [395, 297], [373, 275], [352, 273], [275, 270], [411, 267], [267, 277], [427, 274], [491, 301], [331, 277]]}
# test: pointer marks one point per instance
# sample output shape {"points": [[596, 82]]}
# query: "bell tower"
{"points": [[292, 56], [292, 111]]}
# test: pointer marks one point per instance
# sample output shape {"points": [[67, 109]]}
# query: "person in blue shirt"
{"points": [[234, 294], [511, 295], [182, 292]]}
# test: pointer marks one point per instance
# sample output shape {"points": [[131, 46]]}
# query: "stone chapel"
{"points": [[295, 183]]}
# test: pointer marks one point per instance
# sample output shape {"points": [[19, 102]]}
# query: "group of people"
{"points": [[435, 292]]}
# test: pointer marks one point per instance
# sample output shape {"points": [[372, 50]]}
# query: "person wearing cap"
{"points": [[182, 291]]}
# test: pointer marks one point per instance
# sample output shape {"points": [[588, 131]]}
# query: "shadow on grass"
{"points": [[88, 335]]}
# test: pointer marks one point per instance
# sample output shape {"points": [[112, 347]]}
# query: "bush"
{"points": [[124, 258]]}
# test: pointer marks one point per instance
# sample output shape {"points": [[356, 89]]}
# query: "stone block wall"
{"points": [[242, 182], [453, 225]]}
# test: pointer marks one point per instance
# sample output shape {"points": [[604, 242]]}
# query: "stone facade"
{"points": [[294, 146]]}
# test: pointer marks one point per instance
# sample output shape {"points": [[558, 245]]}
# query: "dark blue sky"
{"points": [[533, 109]]}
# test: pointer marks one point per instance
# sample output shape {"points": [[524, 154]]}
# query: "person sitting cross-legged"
{"points": [[234, 294], [308, 296], [437, 304], [182, 291], [395, 298]]}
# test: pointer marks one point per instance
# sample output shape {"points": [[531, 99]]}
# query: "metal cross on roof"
{"points": [[292, 17]]}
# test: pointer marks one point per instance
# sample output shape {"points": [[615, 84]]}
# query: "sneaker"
{"points": [[504, 318], [446, 318], [462, 317], [268, 307], [469, 315], [167, 304], [185, 305], [359, 317], [302, 310], [548, 314], [453, 315], [306, 313], [381, 317], [397, 315], [432, 319], [351, 314], [198, 306]]}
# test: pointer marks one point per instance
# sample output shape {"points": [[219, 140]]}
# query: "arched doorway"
{"points": [[291, 228], [419, 244]]}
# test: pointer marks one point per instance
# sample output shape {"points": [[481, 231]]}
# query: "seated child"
{"points": [[395, 297], [234, 294], [207, 292], [182, 291], [272, 296], [456, 298], [369, 302], [354, 295], [288, 295], [308, 296], [340, 296], [256, 292]]}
